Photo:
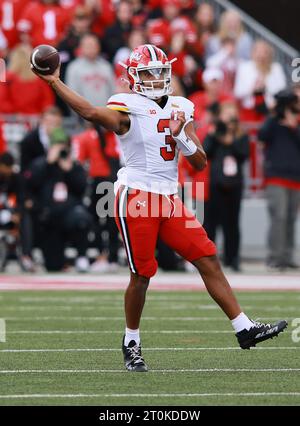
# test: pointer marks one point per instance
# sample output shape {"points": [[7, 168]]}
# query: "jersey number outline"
{"points": [[7, 16], [50, 25], [167, 155]]}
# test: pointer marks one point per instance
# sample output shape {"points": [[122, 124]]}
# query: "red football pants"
{"points": [[142, 217]]}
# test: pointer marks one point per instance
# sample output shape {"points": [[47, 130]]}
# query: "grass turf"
{"points": [[192, 330]]}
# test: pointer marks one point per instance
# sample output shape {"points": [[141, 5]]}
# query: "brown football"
{"points": [[45, 59]]}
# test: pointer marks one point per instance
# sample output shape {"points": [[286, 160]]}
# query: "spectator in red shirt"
{"points": [[213, 94], [159, 30], [70, 5], [187, 5], [104, 15], [43, 22], [177, 34], [23, 92], [10, 13], [172, 21]]}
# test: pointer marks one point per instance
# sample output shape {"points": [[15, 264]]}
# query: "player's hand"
{"points": [[177, 122], [51, 78]]}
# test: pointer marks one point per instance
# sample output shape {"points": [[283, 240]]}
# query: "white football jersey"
{"points": [[150, 153]]}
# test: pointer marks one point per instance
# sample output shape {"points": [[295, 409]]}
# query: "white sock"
{"points": [[132, 335], [241, 322]]}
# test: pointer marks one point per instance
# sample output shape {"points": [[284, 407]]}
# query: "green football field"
{"points": [[63, 348]]}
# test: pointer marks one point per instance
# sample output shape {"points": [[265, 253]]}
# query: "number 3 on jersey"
{"points": [[167, 152]]}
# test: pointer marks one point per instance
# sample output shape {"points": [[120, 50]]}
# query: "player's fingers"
{"points": [[36, 72], [172, 115], [33, 69], [181, 116]]}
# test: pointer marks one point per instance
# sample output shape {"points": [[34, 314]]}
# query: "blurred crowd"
{"points": [[48, 192]]}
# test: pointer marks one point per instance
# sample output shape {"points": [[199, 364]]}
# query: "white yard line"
{"points": [[149, 395], [120, 332], [100, 298], [267, 348], [113, 318], [149, 306], [196, 370]]}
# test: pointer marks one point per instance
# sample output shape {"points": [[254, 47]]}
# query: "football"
{"points": [[45, 59]]}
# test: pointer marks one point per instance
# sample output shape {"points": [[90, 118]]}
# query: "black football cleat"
{"points": [[133, 359], [259, 332]]}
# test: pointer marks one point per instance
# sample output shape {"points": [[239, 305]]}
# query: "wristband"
{"points": [[186, 145]]}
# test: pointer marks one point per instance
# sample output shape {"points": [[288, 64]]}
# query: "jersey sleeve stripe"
{"points": [[118, 108], [116, 103]]}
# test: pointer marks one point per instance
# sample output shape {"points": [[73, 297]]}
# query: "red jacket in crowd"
{"points": [[45, 24], [10, 13], [87, 147], [24, 96]]}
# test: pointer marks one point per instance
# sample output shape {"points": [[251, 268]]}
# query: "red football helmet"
{"points": [[148, 57]]}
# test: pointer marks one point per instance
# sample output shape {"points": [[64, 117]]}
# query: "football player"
{"points": [[153, 127]]}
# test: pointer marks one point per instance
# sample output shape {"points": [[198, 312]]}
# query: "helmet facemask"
{"points": [[148, 88]]}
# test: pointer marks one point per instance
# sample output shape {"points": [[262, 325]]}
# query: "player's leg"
{"points": [[139, 234], [217, 285], [248, 332], [188, 238], [135, 297], [185, 234]]}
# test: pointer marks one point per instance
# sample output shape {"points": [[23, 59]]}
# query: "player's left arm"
{"points": [[198, 160], [187, 141]]}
